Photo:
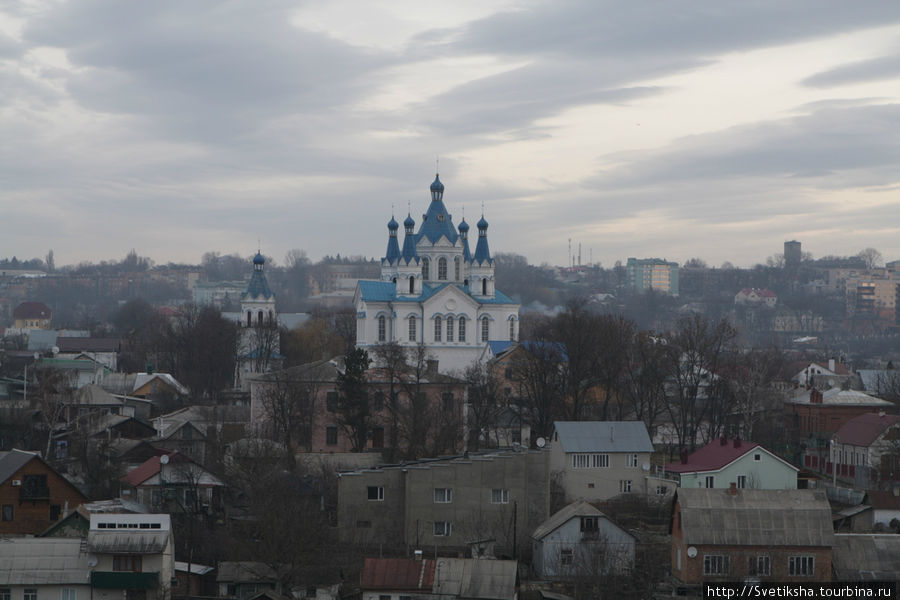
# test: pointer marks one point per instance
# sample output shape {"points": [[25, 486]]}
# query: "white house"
{"points": [[435, 292]]}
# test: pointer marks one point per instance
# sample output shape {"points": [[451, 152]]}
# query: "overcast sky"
{"points": [[716, 129]]}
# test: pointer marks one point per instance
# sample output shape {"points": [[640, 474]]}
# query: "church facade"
{"points": [[434, 291]]}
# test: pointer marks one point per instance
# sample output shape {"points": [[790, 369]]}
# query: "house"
{"points": [[723, 462], [435, 292], [446, 503], [580, 541], [192, 579], [44, 568], [441, 578], [244, 579], [173, 481], [819, 374], [866, 557], [886, 508], [33, 496], [32, 315], [866, 450], [80, 372], [103, 350], [596, 460], [133, 555], [756, 297], [729, 535], [161, 388]]}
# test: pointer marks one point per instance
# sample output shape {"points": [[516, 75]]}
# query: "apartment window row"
{"points": [[798, 566], [584, 460], [441, 495]]}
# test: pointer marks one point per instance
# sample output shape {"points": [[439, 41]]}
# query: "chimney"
{"points": [[684, 456], [737, 442], [732, 489], [831, 365], [723, 441], [815, 396]]}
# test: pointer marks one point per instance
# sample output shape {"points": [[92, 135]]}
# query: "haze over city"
{"points": [[635, 129]]}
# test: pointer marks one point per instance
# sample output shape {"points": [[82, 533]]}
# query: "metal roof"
{"points": [[603, 436], [864, 429], [755, 517], [386, 291], [12, 461], [473, 578], [398, 574], [47, 561], [127, 541], [579, 508], [861, 557]]}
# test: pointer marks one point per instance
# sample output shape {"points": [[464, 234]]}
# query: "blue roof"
{"points": [[377, 291], [498, 347], [409, 221], [258, 287], [393, 248], [386, 291], [482, 252], [437, 223], [463, 226], [436, 185], [259, 259], [603, 436], [392, 224]]}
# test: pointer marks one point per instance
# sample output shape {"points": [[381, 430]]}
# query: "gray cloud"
{"points": [[875, 69]]}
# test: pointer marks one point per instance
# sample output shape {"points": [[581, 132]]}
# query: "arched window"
{"points": [[449, 329], [382, 328], [485, 329], [442, 268], [412, 329], [394, 281], [462, 329], [426, 265], [437, 329], [249, 318], [259, 318], [456, 269], [412, 284], [484, 287], [512, 330]]}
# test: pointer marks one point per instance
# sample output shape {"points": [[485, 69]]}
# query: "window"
{"points": [[759, 565], [364, 524], [716, 564], [447, 401], [442, 528], [456, 269], [127, 562], [443, 495], [512, 330], [382, 328], [375, 492], [632, 460], [379, 401], [438, 327], [29, 594], [412, 329], [331, 399], [485, 329], [4, 594], [55, 511], [661, 490], [8, 512], [384, 597], [741, 481], [442, 268], [67, 594], [757, 457], [710, 481], [449, 329], [801, 566], [624, 486], [589, 524], [566, 557], [425, 269], [34, 487], [516, 434], [331, 435], [462, 329], [499, 496], [600, 461], [581, 461]]}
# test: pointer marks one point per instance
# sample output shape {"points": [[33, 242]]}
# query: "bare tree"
{"points": [[750, 377], [483, 404], [871, 257], [289, 399], [645, 379], [53, 397], [538, 373], [392, 359]]}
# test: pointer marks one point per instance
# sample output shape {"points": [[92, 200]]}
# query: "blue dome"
{"points": [[409, 221], [436, 185], [463, 226], [259, 259], [392, 224], [482, 224]]}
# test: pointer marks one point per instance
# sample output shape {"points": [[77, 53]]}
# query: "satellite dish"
{"points": [[645, 466], [540, 442], [164, 459], [691, 552], [92, 560]]}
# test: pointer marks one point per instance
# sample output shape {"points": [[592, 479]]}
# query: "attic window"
{"points": [[757, 457]]}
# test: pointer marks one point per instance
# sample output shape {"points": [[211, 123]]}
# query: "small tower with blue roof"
{"points": [[258, 301], [481, 267]]}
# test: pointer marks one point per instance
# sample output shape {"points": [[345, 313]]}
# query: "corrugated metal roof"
{"points": [[562, 516], [861, 557], [603, 436], [47, 561], [472, 578], [755, 517], [865, 429], [400, 574], [130, 542]]}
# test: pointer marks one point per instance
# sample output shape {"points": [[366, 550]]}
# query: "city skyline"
{"points": [[650, 129]]}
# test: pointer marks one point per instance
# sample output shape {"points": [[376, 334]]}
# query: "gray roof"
{"points": [[48, 561], [471, 578], [245, 571], [562, 516], [130, 542], [603, 436], [861, 557], [12, 461], [755, 517]]}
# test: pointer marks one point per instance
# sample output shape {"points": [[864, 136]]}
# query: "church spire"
{"points": [[482, 252]]}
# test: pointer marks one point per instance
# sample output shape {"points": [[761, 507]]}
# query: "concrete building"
{"points": [[446, 504], [652, 274], [792, 253], [435, 292]]}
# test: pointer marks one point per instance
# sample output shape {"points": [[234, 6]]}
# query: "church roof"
{"points": [[436, 224], [258, 287], [386, 291]]}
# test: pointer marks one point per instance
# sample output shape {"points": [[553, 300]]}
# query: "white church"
{"points": [[434, 291]]}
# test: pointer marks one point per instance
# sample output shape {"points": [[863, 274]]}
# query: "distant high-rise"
{"points": [[792, 253], [652, 273]]}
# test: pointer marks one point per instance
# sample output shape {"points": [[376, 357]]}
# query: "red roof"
{"points": [[149, 468], [713, 456], [32, 310], [865, 429], [398, 574], [883, 500]]}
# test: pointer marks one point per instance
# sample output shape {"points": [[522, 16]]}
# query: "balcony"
{"points": [[124, 580]]}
